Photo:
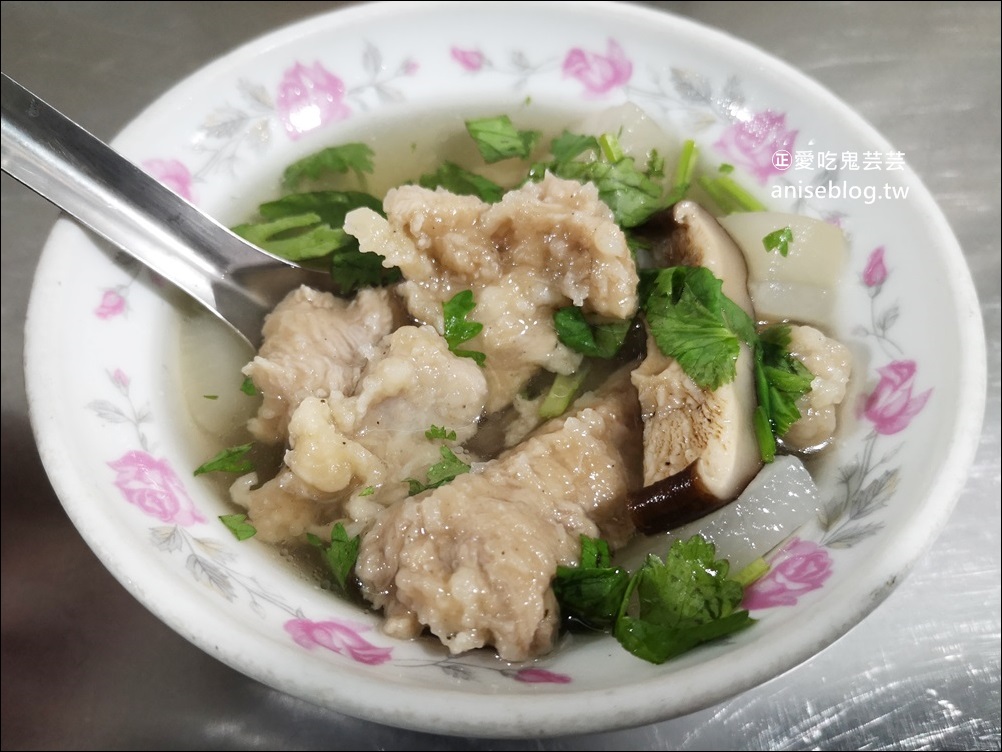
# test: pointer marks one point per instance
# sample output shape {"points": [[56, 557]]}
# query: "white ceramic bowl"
{"points": [[119, 444]]}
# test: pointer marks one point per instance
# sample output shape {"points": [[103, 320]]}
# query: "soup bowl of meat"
{"points": [[620, 395]]}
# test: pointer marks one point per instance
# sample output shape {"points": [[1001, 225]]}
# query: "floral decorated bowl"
{"points": [[119, 436]]}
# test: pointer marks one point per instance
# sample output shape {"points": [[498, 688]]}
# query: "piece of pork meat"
{"points": [[473, 560], [543, 246], [315, 345], [351, 455]]}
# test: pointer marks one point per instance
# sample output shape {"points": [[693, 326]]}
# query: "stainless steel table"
{"points": [[84, 666]]}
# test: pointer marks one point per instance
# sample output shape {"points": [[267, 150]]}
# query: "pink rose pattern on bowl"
{"points": [[311, 95]]}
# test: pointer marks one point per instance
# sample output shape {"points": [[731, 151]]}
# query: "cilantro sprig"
{"points": [[457, 329], [308, 226], [456, 179], [354, 157], [693, 322], [340, 555], [780, 381], [440, 432], [667, 607], [633, 193], [598, 340], [238, 525], [231, 460], [779, 240], [440, 473], [498, 139]]}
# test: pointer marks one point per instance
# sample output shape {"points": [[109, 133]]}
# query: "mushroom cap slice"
{"points": [[700, 448]]}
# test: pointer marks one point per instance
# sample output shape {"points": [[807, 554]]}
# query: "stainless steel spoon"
{"points": [[89, 180]]}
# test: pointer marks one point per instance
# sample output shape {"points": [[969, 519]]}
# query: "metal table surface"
{"points": [[85, 666]]}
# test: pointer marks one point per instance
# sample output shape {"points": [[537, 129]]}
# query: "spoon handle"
{"points": [[80, 174]]}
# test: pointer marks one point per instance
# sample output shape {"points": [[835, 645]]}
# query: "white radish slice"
{"points": [[781, 499], [800, 286]]}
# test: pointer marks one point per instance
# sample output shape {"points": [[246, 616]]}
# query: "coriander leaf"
{"points": [[440, 473], [340, 554], [456, 328], [305, 226], [248, 387], [352, 268], [601, 340], [632, 195], [778, 240], [657, 643], [590, 596], [238, 525], [232, 460], [595, 552], [296, 237], [497, 138], [330, 206], [569, 146], [440, 432], [367, 491], [683, 601], [459, 180], [690, 586], [335, 159], [685, 316], [782, 377]]}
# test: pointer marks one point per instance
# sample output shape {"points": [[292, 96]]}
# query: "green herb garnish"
{"points": [[632, 193], [780, 379], [463, 182], [591, 594], [693, 322], [599, 340], [336, 160], [497, 138], [247, 387], [340, 554], [232, 460], [681, 602], [778, 240], [457, 329], [440, 432], [309, 227], [684, 170], [239, 526], [728, 194], [440, 473], [562, 392]]}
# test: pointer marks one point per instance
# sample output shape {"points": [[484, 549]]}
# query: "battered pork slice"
{"points": [[315, 345], [544, 246], [349, 455], [473, 560]]}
